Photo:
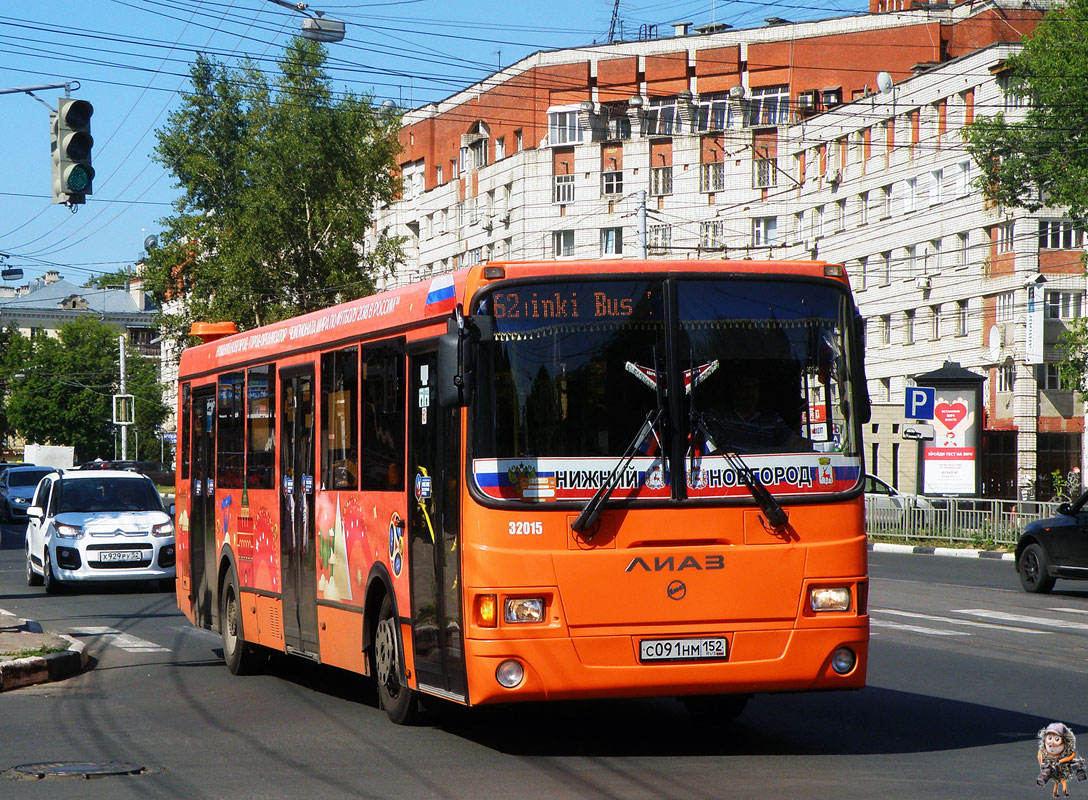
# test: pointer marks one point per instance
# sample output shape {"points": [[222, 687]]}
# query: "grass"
{"points": [[44, 650]]}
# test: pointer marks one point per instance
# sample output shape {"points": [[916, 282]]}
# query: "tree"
{"points": [[65, 385], [1043, 159], [279, 181]]}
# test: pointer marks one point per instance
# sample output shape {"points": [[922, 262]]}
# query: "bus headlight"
{"points": [[829, 599], [843, 660], [523, 609]]}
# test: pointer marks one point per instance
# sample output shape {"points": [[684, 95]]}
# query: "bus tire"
{"points": [[716, 707], [400, 703], [240, 656]]}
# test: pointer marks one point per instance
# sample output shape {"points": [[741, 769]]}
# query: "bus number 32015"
{"points": [[526, 528]]}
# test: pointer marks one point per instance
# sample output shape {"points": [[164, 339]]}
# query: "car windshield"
{"points": [[107, 494], [26, 477]]}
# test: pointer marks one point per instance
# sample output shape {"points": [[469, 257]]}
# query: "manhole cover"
{"points": [[78, 769]]}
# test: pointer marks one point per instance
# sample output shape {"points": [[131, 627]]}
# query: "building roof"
{"points": [[51, 297]]}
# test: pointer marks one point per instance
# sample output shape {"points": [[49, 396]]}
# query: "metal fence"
{"points": [[980, 523]]}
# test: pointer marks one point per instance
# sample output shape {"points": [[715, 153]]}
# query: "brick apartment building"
{"points": [[782, 142]]}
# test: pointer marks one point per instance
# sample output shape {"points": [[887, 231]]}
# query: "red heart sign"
{"points": [[950, 414]]}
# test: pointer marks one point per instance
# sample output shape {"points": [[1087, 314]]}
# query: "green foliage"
{"points": [[63, 393], [1041, 160], [279, 180], [1073, 348], [110, 280]]}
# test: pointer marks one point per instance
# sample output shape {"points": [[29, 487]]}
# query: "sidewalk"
{"points": [[955, 552], [19, 637]]}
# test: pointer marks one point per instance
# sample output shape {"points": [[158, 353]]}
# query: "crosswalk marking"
{"points": [[1072, 610], [116, 638], [966, 622], [902, 626], [1045, 621]]}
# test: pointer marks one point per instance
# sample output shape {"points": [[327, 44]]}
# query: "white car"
{"points": [[886, 505], [97, 525]]}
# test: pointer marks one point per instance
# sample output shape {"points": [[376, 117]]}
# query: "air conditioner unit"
{"points": [[834, 176], [922, 282]]}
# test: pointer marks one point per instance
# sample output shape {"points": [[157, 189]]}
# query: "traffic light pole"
{"points": [[29, 90]]}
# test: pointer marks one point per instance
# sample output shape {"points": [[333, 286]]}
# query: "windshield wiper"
{"points": [[593, 508], [775, 515], [596, 503]]}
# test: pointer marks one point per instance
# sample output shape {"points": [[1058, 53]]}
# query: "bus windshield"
{"points": [[762, 369]]}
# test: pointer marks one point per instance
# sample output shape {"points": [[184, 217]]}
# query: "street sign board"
{"points": [[919, 402]]}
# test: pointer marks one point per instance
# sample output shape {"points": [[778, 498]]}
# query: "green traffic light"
{"points": [[78, 179]]}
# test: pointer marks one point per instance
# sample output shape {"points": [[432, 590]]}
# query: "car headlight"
{"points": [[523, 609], [69, 531], [163, 529], [829, 599]]}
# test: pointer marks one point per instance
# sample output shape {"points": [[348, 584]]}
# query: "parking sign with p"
{"points": [[919, 402]]}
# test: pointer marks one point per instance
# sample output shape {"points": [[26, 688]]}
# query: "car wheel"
{"points": [[1033, 569], [400, 703], [716, 708], [32, 577], [51, 581], [237, 652]]}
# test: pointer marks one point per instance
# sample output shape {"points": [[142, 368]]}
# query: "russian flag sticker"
{"points": [[440, 296]]}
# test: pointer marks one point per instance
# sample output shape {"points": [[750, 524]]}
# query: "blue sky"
{"points": [[131, 58]]}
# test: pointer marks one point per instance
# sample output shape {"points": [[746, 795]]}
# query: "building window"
{"points": [[863, 267], [933, 257], [886, 202], [936, 177], [659, 237], [1011, 90], [818, 221], [563, 244], [564, 189], [863, 208], [769, 105], [908, 327], [961, 318], [1050, 378], [911, 257], [1059, 234], [910, 197], [963, 178], [885, 268], [886, 329], [460, 215], [611, 241], [563, 127], [1063, 305], [764, 173], [517, 141], [962, 249], [438, 175], [1004, 306], [617, 123], [712, 177], [712, 234], [1005, 241], [661, 116], [712, 112], [612, 182], [935, 322], [840, 215], [660, 181], [1006, 376], [764, 231], [500, 148], [472, 257]]}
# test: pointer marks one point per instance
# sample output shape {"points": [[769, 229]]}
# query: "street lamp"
{"points": [[316, 26]]}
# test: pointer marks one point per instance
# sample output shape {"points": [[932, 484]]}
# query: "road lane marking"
{"points": [[1071, 610], [1053, 623], [116, 638], [954, 621], [902, 626]]}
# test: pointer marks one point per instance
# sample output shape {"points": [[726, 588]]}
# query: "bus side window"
{"points": [[260, 428], [339, 419], [383, 418]]}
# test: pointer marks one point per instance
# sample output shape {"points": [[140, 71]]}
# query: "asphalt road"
{"points": [[964, 670]]}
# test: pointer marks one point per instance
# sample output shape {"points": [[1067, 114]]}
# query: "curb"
{"points": [[954, 552], [21, 672]]}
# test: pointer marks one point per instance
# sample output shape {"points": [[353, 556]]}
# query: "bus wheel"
{"points": [[716, 707], [240, 655], [399, 702]]}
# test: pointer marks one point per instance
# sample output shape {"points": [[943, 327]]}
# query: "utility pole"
{"points": [[124, 428], [641, 233]]}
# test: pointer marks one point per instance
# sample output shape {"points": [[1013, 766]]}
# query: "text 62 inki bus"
{"points": [[537, 481]]}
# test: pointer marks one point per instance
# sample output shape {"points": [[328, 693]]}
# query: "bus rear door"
{"points": [[202, 510]]}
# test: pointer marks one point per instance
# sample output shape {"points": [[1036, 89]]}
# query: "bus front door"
{"points": [[202, 512], [434, 540], [298, 557]]}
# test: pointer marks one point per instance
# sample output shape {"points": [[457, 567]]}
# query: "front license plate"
{"points": [[683, 649], [120, 555]]}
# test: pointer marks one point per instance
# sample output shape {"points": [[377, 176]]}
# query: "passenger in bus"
{"points": [[747, 425]]}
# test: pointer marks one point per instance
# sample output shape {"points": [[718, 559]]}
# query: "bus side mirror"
{"points": [[863, 407], [457, 349]]}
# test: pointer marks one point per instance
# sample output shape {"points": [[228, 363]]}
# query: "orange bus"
{"points": [[537, 481]]}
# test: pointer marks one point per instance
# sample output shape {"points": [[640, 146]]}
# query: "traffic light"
{"points": [[71, 145]]}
